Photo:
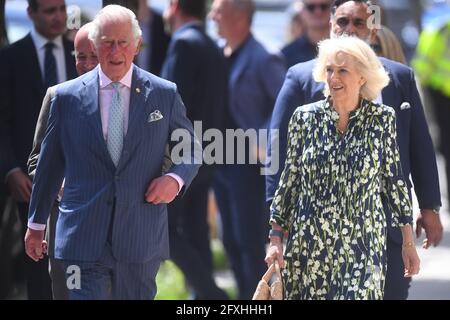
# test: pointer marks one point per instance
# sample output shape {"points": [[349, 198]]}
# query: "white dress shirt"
{"points": [[105, 97]]}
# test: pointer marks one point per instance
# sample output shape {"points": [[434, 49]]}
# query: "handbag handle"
{"points": [[274, 268]]}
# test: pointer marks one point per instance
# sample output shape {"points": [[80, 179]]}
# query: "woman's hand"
{"points": [[275, 252], [410, 259]]}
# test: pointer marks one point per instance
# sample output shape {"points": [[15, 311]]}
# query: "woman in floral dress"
{"points": [[342, 167]]}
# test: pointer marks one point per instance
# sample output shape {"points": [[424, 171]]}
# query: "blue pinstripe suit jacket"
{"points": [[74, 149]]}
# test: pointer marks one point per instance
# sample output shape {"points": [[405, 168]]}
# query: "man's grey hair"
{"points": [[110, 13], [246, 6]]}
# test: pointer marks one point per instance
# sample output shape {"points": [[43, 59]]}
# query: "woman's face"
{"points": [[343, 79]]}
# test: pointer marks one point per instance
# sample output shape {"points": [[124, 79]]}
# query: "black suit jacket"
{"points": [[21, 93], [197, 66], [159, 44]]}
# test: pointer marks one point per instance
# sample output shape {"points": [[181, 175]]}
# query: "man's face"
{"points": [[86, 57], [116, 48], [50, 18], [351, 19], [224, 16], [317, 13]]}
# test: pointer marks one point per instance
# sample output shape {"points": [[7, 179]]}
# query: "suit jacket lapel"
{"points": [[139, 94], [31, 65], [69, 55], [390, 93], [89, 96]]}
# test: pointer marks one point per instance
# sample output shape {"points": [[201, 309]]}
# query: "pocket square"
{"points": [[155, 116], [405, 105]]}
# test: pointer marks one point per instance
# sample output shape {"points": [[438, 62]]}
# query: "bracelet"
{"points": [[276, 233], [408, 244]]}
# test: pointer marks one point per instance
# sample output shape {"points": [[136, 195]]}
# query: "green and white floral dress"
{"points": [[332, 198]]}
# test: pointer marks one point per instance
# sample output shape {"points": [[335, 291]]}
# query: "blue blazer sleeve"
{"points": [[289, 98], [50, 169], [424, 171], [181, 127]]}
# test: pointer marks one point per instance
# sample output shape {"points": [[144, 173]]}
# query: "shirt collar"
{"points": [[334, 115], [40, 41], [105, 81]]}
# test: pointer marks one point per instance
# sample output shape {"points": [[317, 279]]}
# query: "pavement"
{"points": [[433, 281]]}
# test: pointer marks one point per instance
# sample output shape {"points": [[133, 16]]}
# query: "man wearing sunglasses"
{"points": [[413, 137], [316, 19]]}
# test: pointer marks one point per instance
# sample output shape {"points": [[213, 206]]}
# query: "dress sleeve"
{"points": [[286, 196], [394, 188]]}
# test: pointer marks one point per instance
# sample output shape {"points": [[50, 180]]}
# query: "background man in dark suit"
{"points": [[42, 59], [155, 39], [416, 148], [197, 66], [86, 60], [107, 136], [255, 77]]}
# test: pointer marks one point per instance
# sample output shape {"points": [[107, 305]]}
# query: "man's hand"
{"points": [[19, 184], [35, 245], [162, 190], [431, 222]]}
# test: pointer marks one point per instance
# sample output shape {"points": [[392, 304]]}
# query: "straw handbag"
{"points": [[275, 290]]}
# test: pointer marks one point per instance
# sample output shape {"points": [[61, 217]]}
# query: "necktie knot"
{"points": [[115, 85]]}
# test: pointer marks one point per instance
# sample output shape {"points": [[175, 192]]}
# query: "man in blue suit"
{"points": [[255, 78], [106, 135], [416, 148], [196, 65]]}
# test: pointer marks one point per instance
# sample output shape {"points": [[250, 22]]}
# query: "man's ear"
{"points": [[30, 13], [138, 47]]}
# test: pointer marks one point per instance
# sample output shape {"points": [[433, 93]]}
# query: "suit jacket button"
{"points": [[117, 178]]}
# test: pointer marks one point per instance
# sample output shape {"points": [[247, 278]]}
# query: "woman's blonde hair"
{"points": [[390, 46], [366, 62]]}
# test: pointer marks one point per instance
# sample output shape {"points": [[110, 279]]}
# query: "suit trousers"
{"points": [[190, 241], [108, 278], [244, 213], [37, 275]]}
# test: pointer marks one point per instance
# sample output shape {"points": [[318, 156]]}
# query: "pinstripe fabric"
{"points": [[74, 148], [108, 278]]}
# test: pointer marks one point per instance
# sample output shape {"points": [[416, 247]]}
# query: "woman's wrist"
{"points": [[408, 244]]}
